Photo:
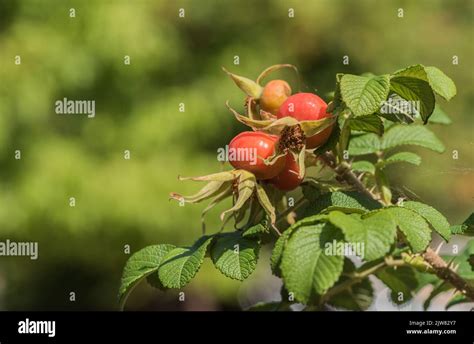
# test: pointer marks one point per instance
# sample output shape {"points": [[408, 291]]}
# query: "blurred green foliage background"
{"points": [[178, 60]]}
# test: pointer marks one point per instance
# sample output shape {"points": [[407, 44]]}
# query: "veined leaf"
{"points": [[141, 264], [367, 123], [364, 94], [345, 201], [408, 157], [434, 217], [363, 166], [376, 232], [181, 264], [415, 228], [307, 270], [441, 83], [234, 255], [399, 135]]}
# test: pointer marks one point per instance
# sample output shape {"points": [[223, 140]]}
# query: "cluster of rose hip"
{"points": [[276, 102], [286, 128]]}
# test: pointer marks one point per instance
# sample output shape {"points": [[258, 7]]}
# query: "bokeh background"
{"points": [[178, 60]]}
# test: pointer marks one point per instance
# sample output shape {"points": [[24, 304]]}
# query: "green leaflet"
{"points": [[307, 270], [376, 231], [234, 255], [434, 217], [397, 135], [364, 94], [346, 201], [181, 264], [414, 227], [140, 265]]}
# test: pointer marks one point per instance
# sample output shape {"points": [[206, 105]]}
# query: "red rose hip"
{"points": [[307, 107], [249, 149], [288, 179]]}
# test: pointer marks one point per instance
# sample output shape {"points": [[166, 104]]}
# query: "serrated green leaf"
{"points": [[345, 201], [307, 270], [376, 232], [277, 251], [363, 166], [407, 157], [141, 264], [439, 116], [364, 144], [415, 90], [441, 83], [364, 94], [358, 297], [234, 255], [181, 264], [415, 228], [367, 123], [466, 228], [419, 135], [434, 217], [402, 282]]}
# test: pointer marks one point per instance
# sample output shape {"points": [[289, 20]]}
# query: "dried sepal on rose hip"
{"points": [[242, 185]]}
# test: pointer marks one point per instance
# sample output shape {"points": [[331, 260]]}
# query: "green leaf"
{"points": [[401, 134], [466, 228], [357, 297], [367, 123], [412, 84], [234, 255], [402, 282], [363, 166], [415, 228], [364, 94], [441, 83], [141, 264], [376, 232], [407, 157], [181, 264], [345, 201], [277, 251], [364, 144], [434, 217], [439, 117], [307, 270]]}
